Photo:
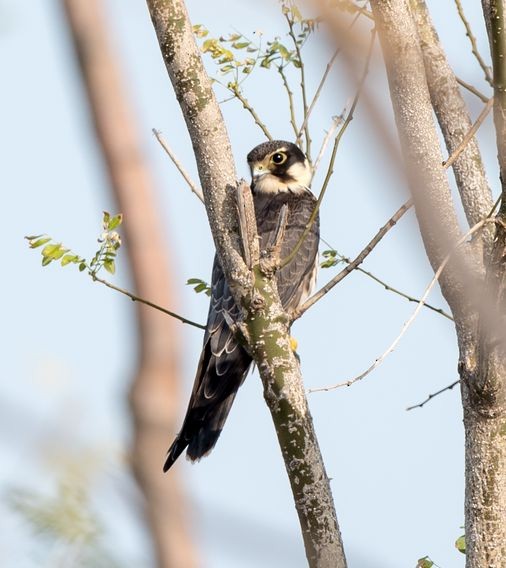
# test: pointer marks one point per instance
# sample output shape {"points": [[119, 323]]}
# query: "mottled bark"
{"points": [[265, 326], [479, 321], [455, 121], [155, 390], [420, 143]]}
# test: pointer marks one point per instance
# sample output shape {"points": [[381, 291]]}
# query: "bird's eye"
{"points": [[278, 158]]}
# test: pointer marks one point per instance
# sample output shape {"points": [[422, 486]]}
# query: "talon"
{"points": [[293, 344]]}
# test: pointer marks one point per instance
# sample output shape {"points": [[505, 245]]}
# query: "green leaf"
{"points": [[68, 258], [109, 265], [240, 44], [105, 218], [82, 266], [193, 281], [424, 562], [329, 252], [38, 242], [460, 544], [46, 260], [48, 250], [115, 222], [200, 287]]}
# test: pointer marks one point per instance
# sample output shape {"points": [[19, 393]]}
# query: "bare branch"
{"points": [[303, 86], [136, 298], [321, 84], [246, 105], [472, 131], [196, 190], [355, 263], [336, 122], [387, 287], [474, 47], [433, 395], [291, 103], [330, 170], [472, 89], [390, 288], [413, 316]]}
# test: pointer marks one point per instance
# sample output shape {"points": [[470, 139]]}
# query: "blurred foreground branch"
{"points": [[155, 391]]}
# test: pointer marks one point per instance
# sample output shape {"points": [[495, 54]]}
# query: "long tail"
{"points": [[219, 376]]}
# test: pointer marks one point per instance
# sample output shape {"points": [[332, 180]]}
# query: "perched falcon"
{"points": [[280, 174]]}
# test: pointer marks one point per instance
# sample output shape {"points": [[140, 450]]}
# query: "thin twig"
{"points": [[163, 143], [408, 323], [319, 89], [317, 94], [474, 47], [330, 169], [291, 104], [439, 311], [472, 89], [146, 302], [245, 103], [356, 262], [302, 86], [433, 395], [336, 122], [472, 131], [387, 287]]}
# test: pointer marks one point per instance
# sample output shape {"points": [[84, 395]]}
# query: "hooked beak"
{"points": [[257, 173]]}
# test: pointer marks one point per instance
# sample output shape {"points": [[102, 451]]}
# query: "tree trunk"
{"points": [[155, 390], [264, 320], [479, 314]]}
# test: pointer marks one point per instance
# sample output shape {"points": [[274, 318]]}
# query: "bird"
{"points": [[281, 174]]}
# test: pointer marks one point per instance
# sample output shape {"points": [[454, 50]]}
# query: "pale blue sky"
{"points": [[397, 477]]}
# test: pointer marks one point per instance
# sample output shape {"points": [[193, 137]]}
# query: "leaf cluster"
{"points": [[332, 258], [104, 257], [199, 286], [237, 54]]}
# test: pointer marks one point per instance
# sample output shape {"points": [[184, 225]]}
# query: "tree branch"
{"points": [[407, 324], [472, 89], [474, 47], [246, 105], [354, 263], [470, 134], [330, 169], [154, 392], [289, 93], [433, 395], [136, 298], [455, 123], [303, 87], [178, 164], [264, 319]]}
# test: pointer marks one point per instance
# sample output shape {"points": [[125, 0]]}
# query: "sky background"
{"points": [[69, 345]]}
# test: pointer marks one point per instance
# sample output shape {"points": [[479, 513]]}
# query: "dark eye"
{"points": [[278, 158]]}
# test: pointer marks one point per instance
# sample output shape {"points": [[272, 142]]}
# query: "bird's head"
{"points": [[278, 166]]}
